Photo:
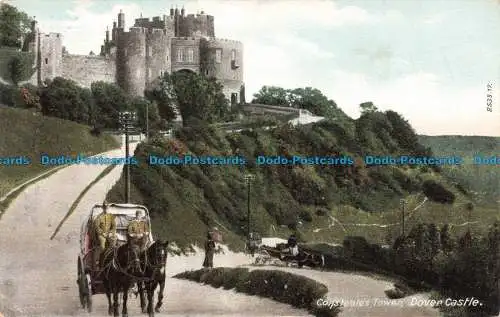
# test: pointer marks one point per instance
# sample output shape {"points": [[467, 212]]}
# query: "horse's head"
{"points": [[158, 253], [134, 258]]}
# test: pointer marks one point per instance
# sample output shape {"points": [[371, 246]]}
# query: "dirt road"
{"points": [[38, 275]]}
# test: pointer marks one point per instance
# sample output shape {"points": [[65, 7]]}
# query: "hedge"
{"points": [[284, 287]]}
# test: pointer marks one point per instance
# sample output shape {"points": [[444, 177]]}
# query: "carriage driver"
{"points": [[105, 227], [138, 230]]}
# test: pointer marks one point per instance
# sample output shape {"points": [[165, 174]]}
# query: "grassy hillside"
{"points": [[26, 133], [483, 179], [325, 203]]}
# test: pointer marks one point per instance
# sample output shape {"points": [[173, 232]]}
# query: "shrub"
{"points": [[436, 192], [296, 290], [394, 293], [96, 131], [322, 211], [305, 215]]}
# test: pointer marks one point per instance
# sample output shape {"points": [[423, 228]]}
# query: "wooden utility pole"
{"points": [[403, 205]]}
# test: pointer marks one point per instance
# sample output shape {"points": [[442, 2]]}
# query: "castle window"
{"points": [[180, 54], [190, 55], [46, 61], [218, 55], [233, 55], [149, 48]]}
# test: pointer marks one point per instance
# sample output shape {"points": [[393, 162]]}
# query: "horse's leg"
{"points": [[115, 301], [125, 297], [140, 287], [108, 294], [160, 294], [151, 292]]}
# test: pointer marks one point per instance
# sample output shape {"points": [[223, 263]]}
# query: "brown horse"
{"points": [[122, 268]]}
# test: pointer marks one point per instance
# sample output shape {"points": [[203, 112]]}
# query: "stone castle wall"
{"points": [[87, 69]]}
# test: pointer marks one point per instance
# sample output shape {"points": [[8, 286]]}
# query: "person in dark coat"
{"points": [[292, 241], [209, 252]]}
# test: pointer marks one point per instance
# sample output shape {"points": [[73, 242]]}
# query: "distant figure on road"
{"points": [[292, 245], [209, 252]]}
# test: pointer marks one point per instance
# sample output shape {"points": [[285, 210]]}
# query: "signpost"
{"points": [[127, 120]]}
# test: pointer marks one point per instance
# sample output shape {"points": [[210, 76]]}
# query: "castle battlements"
{"points": [[90, 57], [52, 35], [223, 40]]}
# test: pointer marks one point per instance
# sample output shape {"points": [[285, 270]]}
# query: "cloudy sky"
{"points": [[427, 59]]}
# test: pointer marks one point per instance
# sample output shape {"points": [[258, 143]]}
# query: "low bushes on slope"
{"points": [[296, 290]]}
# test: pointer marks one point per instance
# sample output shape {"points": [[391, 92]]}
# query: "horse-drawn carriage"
{"points": [[90, 279], [282, 253]]}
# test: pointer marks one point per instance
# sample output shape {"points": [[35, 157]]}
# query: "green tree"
{"points": [[162, 94], [14, 26], [308, 98], [20, 67], [197, 97], [314, 100], [109, 100], [367, 107], [16, 69], [140, 104], [64, 99], [272, 95]]}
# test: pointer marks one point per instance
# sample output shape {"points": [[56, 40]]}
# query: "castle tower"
{"points": [[113, 32], [121, 20], [131, 61]]}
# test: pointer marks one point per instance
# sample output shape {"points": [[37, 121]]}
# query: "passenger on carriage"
{"points": [[138, 230]]}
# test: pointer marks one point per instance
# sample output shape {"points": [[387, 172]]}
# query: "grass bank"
{"points": [[29, 134]]}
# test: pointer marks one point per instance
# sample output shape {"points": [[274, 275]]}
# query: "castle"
{"points": [[134, 59]]}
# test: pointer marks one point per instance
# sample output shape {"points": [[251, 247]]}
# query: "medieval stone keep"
{"points": [[134, 59]]}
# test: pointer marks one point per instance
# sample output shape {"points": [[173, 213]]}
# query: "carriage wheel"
{"points": [[88, 296], [80, 276]]}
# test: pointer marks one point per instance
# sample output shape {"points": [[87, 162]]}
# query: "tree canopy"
{"points": [[64, 99], [196, 96], [308, 98], [110, 100], [14, 26]]}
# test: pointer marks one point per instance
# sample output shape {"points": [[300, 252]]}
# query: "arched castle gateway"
{"points": [[135, 58]]}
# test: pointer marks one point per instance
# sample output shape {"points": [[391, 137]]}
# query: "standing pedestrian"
{"points": [[209, 252]]}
